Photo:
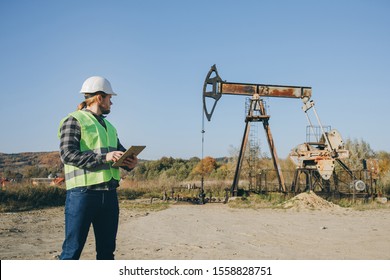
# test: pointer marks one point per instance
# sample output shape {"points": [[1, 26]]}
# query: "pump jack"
{"points": [[214, 88]]}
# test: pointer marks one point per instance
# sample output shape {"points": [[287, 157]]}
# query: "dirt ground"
{"points": [[304, 228]]}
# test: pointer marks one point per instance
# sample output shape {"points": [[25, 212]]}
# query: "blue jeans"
{"points": [[84, 207]]}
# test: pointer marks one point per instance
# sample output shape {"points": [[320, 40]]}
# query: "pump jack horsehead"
{"points": [[214, 88]]}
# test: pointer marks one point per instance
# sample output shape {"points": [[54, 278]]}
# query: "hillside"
{"points": [[19, 161]]}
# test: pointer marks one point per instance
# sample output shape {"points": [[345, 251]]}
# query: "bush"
{"points": [[130, 194], [22, 198]]}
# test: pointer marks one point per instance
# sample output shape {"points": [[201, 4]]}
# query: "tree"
{"points": [[205, 167], [384, 170], [384, 161], [358, 150], [35, 171], [223, 172]]}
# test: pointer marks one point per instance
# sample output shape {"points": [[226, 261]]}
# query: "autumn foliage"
{"points": [[205, 167]]}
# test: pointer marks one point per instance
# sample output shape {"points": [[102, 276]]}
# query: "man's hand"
{"points": [[130, 162], [114, 156]]}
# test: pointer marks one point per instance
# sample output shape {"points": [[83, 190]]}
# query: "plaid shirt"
{"points": [[70, 153]]}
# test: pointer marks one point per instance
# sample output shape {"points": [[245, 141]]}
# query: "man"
{"points": [[88, 146]]}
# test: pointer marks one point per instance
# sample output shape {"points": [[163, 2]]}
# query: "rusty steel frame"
{"points": [[220, 87], [256, 102]]}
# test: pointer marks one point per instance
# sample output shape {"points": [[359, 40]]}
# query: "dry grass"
{"points": [[151, 205], [149, 195], [257, 201], [24, 197], [362, 205], [308, 201]]}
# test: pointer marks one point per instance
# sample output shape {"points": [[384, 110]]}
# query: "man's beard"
{"points": [[104, 110]]}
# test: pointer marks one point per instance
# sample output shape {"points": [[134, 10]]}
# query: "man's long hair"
{"points": [[90, 98]]}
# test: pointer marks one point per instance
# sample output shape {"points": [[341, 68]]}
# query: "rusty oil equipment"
{"points": [[314, 159], [214, 87]]}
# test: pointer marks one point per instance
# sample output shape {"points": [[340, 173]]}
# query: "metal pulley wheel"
{"points": [[358, 185]]}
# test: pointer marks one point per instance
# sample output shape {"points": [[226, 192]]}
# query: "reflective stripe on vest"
{"points": [[94, 139]]}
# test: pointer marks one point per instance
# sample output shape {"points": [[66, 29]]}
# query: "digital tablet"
{"points": [[132, 151]]}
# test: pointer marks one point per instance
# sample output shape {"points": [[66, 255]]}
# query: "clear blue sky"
{"points": [[157, 53]]}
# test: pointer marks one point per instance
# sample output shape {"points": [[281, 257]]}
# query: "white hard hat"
{"points": [[96, 83]]}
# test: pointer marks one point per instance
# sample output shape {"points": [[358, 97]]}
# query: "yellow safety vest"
{"points": [[94, 139]]}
